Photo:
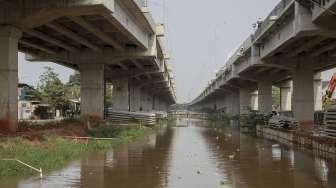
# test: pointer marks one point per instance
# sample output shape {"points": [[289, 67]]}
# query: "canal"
{"points": [[193, 156]]}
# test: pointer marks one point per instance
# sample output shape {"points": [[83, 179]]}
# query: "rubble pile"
{"points": [[283, 122]]}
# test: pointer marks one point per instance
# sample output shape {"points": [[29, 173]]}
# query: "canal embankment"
{"points": [[51, 146], [307, 140], [284, 132]]}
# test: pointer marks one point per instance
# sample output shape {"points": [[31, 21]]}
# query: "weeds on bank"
{"points": [[53, 152]]}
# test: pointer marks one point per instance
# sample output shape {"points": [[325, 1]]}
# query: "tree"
{"points": [[74, 79], [52, 90], [73, 86]]}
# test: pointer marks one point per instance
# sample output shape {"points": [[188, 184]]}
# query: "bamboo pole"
{"points": [[27, 165]]}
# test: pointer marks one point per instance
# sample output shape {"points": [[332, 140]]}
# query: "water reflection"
{"points": [[321, 170], [143, 164], [194, 156], [69, 177], [262, 164], [276, 152]]}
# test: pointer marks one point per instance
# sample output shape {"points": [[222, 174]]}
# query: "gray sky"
{"points": [[193, 26], [29, 72]]}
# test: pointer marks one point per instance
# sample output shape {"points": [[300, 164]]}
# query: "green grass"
{"points": [[53, 152], [134, 134]]}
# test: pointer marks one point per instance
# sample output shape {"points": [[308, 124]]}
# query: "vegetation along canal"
{"points": [[193, 156]]}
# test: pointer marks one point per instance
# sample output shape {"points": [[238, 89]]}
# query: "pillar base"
{"points": [[121, 95], [303, 97], [8, 125], [265, 97], [306, 125], [92, 90]]}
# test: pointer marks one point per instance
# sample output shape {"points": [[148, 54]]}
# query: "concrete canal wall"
{"points": [[315, 142]]}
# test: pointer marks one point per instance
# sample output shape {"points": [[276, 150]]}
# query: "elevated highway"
{"points": [[107, 41], [289, 49]]}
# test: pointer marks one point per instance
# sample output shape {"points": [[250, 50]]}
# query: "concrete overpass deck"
{"points": [[105, 40], [295, 42]]}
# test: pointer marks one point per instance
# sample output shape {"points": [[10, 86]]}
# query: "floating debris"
{"points": [[225, 184]]}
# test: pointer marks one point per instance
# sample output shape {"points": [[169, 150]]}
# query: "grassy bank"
{"points": [[52, 152]]}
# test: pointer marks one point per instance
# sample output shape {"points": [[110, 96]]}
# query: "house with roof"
{"points": [[28, 101]]}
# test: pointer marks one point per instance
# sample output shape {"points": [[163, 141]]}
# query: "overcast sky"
{"points": [[193, 28]]}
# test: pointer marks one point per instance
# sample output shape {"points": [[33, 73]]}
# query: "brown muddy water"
{"points": [[193, 156]]}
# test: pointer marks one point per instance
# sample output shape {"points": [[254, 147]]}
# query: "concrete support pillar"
{"points": [[135, 98], [245, 100], [318, 92], [286, 96], [9, 37], [235, 103], [226, 103], [220, 102], [303, 96], [254, 100], [164, 106], [156, 103], [121, 95], [151, 102], [211, 104], [265, 96], [214, 105], [146, 101], [92, 89], [159, 104]]}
